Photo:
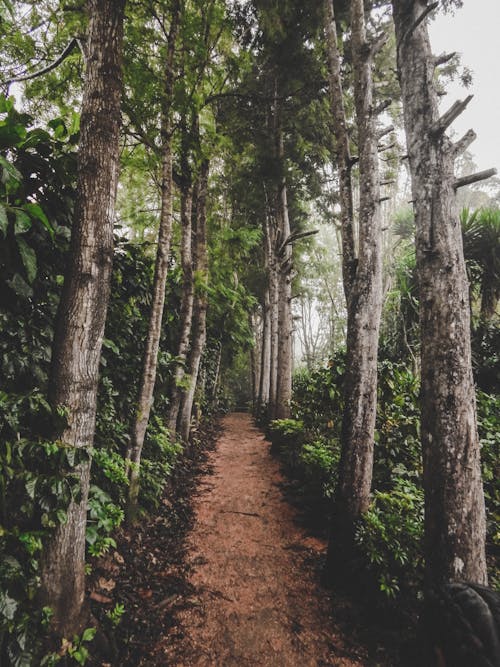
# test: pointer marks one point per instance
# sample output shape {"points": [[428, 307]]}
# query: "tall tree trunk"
{"points": [[150, 359], [282, 251], [285, 322], [199, 333], [454, 503], [256, 325], [352, 496], [273, 317], [265, 356], [82, 311], [186, 304], [343, 160]]}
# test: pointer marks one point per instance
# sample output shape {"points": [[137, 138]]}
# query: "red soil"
{"points": [[255, 601]]}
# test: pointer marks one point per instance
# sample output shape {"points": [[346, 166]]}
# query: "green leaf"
{"points": [[110, 345], [9, 173], [20, 286], [8, 606], [30, 487], [28, 257], [22, 223], [35, 210], [4, 222], [88, 634]]}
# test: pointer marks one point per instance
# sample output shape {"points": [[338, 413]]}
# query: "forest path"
{"points": [[255, 601]]}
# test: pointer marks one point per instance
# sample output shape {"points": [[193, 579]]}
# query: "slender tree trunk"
{"points": [[199, 333], [150, 359], [82, 311], [273, 316], [344, 161], [285, 322], [265, 356], [186, 305], [352, 496], [255, 356], [282, 251], [454, 503]]}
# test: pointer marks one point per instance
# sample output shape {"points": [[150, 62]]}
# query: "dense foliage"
{"points": [[390, 533]]}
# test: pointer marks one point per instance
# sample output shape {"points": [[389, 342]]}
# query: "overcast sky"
{"points": [[474, 32]]}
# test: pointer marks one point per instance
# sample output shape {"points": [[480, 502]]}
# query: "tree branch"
{"points": [[386, 131], [452, 114], [378, 44], [67, 51], [474, 178], [382, 149], [428, 10], [444, 58], [463, 144], [295, 236], [381, 107]]}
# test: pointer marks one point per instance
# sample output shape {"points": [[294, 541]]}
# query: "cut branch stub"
{"points": [[428, 10], [452, 114], [444, 58], [474, 178], [463, 144]]}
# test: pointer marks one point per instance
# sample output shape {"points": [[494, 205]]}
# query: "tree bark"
{"points": [[352, 496], [199, 332], [285, 323], [186, 305], [273, 316], [344, 161], [82, 311], [454, 503], [150, 358], [282, 251], [265, 356]]}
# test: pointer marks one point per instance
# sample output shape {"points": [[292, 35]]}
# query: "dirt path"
{"points": [[255, 602]]}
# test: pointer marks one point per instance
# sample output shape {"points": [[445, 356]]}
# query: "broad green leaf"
{"points": [[8, 606], [88, 634], [28, 257], [9, 172], [20, 286], [22, 223], [4, 222], [35, 210], [30, 487]]}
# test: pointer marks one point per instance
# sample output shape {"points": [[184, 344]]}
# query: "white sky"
{"points": [[474, 31]]}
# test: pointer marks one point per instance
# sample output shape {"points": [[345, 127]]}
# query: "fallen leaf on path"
{"points": [[145, 593], [106, 584], [102, 599]]}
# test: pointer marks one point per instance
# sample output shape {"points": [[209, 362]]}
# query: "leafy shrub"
{"points": [[390, 535], [160, 455], [319, 461], [103, 518]]}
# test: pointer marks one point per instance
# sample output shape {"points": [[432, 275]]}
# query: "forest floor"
{"points": [[241, 587]]}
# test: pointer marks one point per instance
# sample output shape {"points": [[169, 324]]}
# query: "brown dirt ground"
{"points": [[252, 599]]}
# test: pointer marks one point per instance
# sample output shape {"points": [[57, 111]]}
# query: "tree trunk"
{"points": [[150, 359], [199, 333], [364, 312], [454, 503], [285, 322], [273, 317], [282, 251], [83, 307], [265, 357], [186, 306], [344, 161]]}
